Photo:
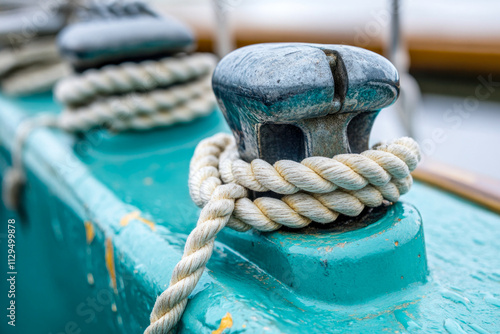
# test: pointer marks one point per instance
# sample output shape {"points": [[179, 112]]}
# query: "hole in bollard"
{"points": [[281, 142]]}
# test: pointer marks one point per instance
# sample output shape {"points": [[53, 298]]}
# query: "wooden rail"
{"points": [[477, 188], [441, 35]]}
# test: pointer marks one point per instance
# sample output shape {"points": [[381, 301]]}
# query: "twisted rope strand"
{"points": [[184, 113], [130, 77], [34, 78], [317, 189], [190, 99], [143, 110]]}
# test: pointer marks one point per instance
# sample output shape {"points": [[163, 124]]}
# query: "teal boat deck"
{"points": [[81, 226]]}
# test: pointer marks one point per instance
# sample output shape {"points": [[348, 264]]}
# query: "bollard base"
{"points": [[348, 263]]}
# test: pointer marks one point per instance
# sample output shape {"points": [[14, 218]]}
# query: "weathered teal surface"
{"points": [[104, 177]]}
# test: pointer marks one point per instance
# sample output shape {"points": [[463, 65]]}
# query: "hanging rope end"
{"points": [[13, 184]]}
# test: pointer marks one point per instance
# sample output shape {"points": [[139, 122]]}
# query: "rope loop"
{"points": [[316, 189]]}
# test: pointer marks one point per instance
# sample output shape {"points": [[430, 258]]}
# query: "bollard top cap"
{"points": [[290, 81], [118, 32], [295, 100]]}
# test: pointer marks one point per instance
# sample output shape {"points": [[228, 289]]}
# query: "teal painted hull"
{"points": [[102, 178]]}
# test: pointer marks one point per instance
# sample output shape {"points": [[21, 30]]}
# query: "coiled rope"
{"points": [[316, 189], [31, 67], [152, 94], [132, 77]]}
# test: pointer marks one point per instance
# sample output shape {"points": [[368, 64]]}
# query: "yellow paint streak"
{"points": [[226, 322], [128, 217], [89, 231], [125, 220], [110, 262], [151, 225]]}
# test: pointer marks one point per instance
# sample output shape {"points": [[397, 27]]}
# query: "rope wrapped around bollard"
{"points": [[317, 189]]}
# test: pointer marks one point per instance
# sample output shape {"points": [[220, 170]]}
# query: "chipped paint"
{"points": [[126, 219], [226, 322], [89, 231], [397, 307], [110, 262], [149, 223]]}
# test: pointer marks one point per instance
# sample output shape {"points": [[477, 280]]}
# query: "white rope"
{"points": [[35, 78], [36, 51], [144, 110], [316, 189], [189, 97], [15, 178], [32, 67], [132, 77]]}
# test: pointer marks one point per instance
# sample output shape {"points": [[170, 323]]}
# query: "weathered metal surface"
{"points": [[292, 101], [295, 100], [117, 32], [102, 178]]}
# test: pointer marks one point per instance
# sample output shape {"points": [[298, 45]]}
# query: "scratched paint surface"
{"points": [[104, 179]]}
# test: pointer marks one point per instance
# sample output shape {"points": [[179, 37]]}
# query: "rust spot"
{"points": [[110, 262], [396, 243], [226, 322], [89, 231], [418, 255], [402, 277], [341, 245], [125, 220]]}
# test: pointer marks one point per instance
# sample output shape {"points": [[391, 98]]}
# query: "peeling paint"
{"points": [[125, 220], [110, 263], [89, 231], [151, 225], [226, 322]]}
